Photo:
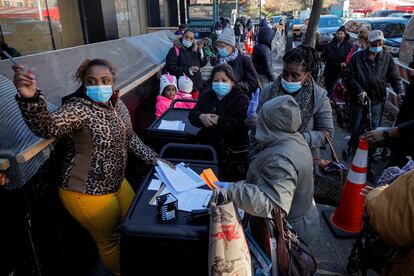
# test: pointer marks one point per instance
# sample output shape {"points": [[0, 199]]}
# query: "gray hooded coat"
{"points": [[282, 171]]}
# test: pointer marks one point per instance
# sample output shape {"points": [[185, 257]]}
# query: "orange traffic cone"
{"points": [[346, 221]]}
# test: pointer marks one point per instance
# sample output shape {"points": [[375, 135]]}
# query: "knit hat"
{"points": [[185, 84], [376, 35], [342, 29], [218, 26], [227, 37], [167, 80], [263, 23]]}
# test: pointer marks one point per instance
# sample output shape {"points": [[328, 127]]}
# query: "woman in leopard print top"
{"points": [[99, 132]]}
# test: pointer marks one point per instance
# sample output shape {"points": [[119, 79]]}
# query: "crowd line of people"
{"points": [[282, 126]]}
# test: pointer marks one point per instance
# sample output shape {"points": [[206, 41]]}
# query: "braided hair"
{"points": [[306, 56]]}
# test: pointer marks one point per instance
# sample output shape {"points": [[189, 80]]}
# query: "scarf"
{"points": [[231, 57], [304, 98]]}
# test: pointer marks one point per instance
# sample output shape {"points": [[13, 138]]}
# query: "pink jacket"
{"points": [[186, 96], [163, 103]]}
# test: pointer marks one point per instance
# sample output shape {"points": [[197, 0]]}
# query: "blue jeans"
{"points": [[359, 119]]}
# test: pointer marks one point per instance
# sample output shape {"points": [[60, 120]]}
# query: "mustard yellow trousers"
{"points": [[100, 215]]}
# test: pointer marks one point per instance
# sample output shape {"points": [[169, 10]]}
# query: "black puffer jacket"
{"points": [[334, 55], [262, 55], [244, 73], [232, 111], [180, 64], [372, 76]]}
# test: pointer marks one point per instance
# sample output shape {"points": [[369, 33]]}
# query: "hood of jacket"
{"points": [[265, 36], [278, 119]]}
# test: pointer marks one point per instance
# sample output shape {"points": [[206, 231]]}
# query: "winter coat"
{"points": [[334, 55], [262, 55], [186, 96], [244, 72], [180, 64], [98, 138], [391, 212], [363, 74], [322, 118], [231, 129], [282, 171], [163, 103]]}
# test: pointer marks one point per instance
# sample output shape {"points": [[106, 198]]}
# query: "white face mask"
{"points": [[218, 32]]}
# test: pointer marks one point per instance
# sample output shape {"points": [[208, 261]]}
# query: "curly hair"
{"points": [[89, 63], [306, 56]]}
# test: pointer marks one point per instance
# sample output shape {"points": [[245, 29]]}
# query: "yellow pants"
{"points": [[100, 215]]}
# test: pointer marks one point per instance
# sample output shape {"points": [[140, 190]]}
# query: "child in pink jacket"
{"points": [[168, 93], [185, 87]]}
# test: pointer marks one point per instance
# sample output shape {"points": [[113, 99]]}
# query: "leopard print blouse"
{"points": [[99, 138]]}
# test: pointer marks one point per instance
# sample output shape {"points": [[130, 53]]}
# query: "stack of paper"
{"points": [[180, 179], [193, 200], [172, 125], [183, 183]]}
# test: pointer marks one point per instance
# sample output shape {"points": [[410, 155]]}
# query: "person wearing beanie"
{"points": [[334, 57], [168, 93], [185, 87], [368, 73], [243, 69]]}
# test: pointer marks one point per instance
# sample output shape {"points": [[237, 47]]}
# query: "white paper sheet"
{"points": [[172, 125], [180, 179], [154, 185], [192, 200]]}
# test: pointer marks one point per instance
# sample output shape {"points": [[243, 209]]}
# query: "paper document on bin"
{"points": [[192, 200], [178, 180], [172, 125], [154, 185]]}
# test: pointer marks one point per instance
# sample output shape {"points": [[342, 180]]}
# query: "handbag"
{"points": [[228, 250], [329, 178], [294, 257], [282, 245]]}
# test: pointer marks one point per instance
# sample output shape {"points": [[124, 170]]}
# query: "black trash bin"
{"points": [[177, 248]]}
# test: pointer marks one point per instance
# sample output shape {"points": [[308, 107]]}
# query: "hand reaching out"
{"points": [[25, 82]]}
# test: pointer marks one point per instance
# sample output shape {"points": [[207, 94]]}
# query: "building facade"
{"points": [[34, 26]]}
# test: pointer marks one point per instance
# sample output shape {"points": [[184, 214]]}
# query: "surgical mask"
{"points": [[375, 50], [219, 32], [99, 93], [221, 88], [187, 44], [291, 87], [223, 52]]}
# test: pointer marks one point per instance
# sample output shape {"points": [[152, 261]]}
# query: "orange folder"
{"points": [[209, 178]]}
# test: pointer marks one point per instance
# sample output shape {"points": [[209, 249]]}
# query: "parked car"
{"points": [[328, 25], [402, 15], [383, 13], [407, 44], [298, 27], [392, 27]]}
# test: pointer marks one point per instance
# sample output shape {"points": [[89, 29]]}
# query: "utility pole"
{"points": [[260, 9], [310, 37]]}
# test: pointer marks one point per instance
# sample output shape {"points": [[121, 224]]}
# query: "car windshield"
{"points": [[330, 22], [297, 21], [390, 30]]}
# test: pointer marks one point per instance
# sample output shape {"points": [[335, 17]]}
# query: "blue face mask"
{"points": [[99, 93], [223, 52], [291, 87], [221, 88], [186, 43], [375, 50]]}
